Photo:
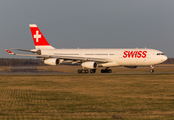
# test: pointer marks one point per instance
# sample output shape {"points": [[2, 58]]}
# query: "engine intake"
{"points": [[90, 65]]}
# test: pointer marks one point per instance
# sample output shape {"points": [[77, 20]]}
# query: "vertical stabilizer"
{"points": [[39, 40]]}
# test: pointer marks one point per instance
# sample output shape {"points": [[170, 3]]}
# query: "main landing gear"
{"points": [[107, 70], [151, 68], [85, 71], [92, 70]]}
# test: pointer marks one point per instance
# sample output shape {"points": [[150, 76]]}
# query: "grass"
{"points": [[90, 97]]}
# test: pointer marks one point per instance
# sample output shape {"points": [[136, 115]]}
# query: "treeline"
{"points": [[38, 62], [20, 62], [169, 61]]}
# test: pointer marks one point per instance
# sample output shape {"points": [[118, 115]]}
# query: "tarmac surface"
{"points": [[32, 70], [29, 70]]}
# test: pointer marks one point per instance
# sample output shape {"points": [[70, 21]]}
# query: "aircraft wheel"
{"points": [[79, 71], [92, 70], [106, 71], [151, 70], [86, 71], [110, 71], [83, 71]]}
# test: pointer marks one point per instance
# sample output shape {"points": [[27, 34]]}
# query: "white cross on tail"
{"points": [[37, 36]]}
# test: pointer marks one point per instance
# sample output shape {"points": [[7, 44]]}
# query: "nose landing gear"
{"points": [[152, 68]]}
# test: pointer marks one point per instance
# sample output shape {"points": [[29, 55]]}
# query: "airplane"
{"points": [[91, 59]]}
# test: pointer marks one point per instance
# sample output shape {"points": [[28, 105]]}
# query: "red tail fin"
{"points": [[39, 40]]}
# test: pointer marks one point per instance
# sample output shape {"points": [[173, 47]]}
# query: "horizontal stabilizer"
{"points": [[40, 56], [9, 52], [23, 50]]}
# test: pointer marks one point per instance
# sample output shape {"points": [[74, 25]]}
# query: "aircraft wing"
{"points": [[80, 58], [63, 57]]}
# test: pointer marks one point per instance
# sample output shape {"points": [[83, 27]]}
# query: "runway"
{"points": [[29, 70], [32, 70]]}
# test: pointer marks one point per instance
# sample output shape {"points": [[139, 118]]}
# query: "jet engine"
{"points": [[53, 61], [90, 65]]}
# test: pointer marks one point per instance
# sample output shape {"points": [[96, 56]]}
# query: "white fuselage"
{"points": [[116, 57]]}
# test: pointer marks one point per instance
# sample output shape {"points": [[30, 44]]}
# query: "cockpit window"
{"points": [[160, 53]]}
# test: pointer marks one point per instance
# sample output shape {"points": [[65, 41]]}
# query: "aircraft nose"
{"points": [[164, 58]]}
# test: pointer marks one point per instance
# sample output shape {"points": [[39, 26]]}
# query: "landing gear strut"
{"points": [[83, 71], [107, 70], [152, 68]]}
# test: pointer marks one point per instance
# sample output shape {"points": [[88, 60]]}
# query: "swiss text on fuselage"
{"points": [[134, 54]]}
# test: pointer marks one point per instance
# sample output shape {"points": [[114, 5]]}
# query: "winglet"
{"points": [[9, 52]]}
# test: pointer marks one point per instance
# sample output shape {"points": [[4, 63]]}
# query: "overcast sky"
{"points": [[88, 24]]}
